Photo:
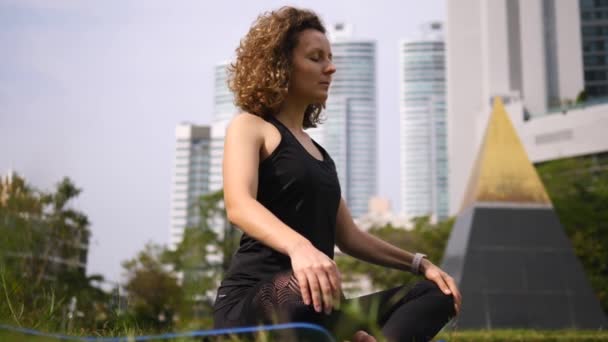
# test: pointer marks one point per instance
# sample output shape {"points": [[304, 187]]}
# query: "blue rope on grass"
{"points": [[195, 333]]}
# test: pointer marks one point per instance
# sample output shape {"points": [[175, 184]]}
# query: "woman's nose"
{"points": [[330, 68]]}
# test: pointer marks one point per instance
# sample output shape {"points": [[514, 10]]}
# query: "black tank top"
{"points": [[304, 193]]}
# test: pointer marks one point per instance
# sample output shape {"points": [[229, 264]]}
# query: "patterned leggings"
{"points": [[404, 313]]}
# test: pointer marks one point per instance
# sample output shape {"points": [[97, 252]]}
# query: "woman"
{"points": [[282, 190]]}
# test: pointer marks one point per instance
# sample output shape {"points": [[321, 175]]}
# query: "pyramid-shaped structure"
{"points": [[502, 171], [508, 252]]}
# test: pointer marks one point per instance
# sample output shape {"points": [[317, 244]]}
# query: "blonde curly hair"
{"points": [[259, 78]]}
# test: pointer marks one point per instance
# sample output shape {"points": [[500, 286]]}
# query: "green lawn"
{"points": [[523, 335], [475, 335]]}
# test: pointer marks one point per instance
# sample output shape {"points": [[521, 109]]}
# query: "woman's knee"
{"points": [[299, 312], [281, 299], [436, 297]]}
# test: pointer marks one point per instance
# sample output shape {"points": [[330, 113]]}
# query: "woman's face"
{"points": [[312, 67]]}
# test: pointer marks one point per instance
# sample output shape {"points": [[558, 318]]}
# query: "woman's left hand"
{"points": [[443, 281]]}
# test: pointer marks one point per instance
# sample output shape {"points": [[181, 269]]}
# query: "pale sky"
{"points": [[93, 90]]}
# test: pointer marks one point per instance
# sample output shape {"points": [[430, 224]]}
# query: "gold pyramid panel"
{"points": [[502, 171]]}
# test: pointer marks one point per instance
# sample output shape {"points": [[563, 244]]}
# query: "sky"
{"points": [[93, 90]]}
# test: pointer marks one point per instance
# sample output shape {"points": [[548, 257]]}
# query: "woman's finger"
{"points": [[442, 284], [315, 291], [303, 283], [336, 283], [326, 290], [454, 288]]}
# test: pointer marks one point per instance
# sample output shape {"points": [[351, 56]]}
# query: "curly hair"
{"points": [[259, 78]]}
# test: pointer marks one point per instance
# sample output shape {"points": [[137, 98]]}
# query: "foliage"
{"points": [[154, 292], [578, 188], [200, 260], [425, 237], [523, 335], [42, 243], [582, 96], [457, 336]]}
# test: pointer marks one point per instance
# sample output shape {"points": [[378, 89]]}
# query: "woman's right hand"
{"points": [[317, 275]]}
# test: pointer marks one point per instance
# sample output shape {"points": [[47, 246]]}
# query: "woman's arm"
{"points": [[316, 273], [242, 146], [362, 245]]}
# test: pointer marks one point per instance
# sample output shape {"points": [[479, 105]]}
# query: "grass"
{"points": [[131, 334], [468, 335], [45, 316], [523, 335]]}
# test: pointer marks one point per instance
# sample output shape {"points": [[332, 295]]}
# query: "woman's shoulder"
{"points": [[252, 128], [246, 123], [247, 119]]}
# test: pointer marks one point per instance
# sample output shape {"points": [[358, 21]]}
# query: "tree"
{"points": [[67, 232], [154, 295], [203, 256], [43, 245], [425, 237], [578, 188], [582, 96]]}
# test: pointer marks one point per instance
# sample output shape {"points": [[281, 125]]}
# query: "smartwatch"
{"points": [[416, 262]]}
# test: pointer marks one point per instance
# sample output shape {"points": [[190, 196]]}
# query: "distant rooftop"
{"points": [[571, 105]]}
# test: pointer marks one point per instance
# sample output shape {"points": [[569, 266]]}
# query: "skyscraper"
{"points": [[350, 129], [594, 28], [223, 98], [223, 111], [524, 49], [423, 165], [190, 178]]}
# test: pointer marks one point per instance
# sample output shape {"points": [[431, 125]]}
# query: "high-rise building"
{"points": [[423, 165], [594, 29], [223, 111], [522, 49], [190, 178], [350, 129], [223, 98]]}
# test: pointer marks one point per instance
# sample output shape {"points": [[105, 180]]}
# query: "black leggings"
{"points": [[404, 313]]}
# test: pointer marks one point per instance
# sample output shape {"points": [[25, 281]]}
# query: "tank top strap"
{"points": [[276, 123]]}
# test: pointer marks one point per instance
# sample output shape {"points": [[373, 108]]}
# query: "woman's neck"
{"points": [[291, 114]]}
